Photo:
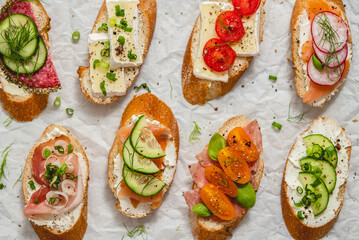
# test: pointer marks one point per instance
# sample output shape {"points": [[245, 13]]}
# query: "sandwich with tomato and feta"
{"points": [[225, 179], [322, 49], [314, 179], [224, 40], [54, 184], [27, 73], [118, 45], [143, 158]]}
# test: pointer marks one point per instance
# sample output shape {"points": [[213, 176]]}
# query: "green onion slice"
{"points": [[131, 55], [112, 22], [111, 76], [271, 77], [299, 190], [32, 185], [95, 63], [69, 148], [103, 89], [300, 215], [60, 149], [46, 153], [103, 27], [57, 102], [121, 40], [306, 167], [277, 125], [128, 29], [70, 111], [119, 12], [299, 204], [36, 200], [76, 36]]}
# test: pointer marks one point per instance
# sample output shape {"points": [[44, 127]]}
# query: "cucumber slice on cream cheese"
{"points": [[326, 144], [144, 142], [136, 162], [143, 185]]}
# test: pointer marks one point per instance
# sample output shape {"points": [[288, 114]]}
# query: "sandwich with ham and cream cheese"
{"points": [[55, 182]]}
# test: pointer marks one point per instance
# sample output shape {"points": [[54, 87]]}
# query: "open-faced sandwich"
{"points": [[321, 49], [223, 42], [54, 184], [143, 158], [118, 45], [27, 74], [314, 179], [226, 179]]}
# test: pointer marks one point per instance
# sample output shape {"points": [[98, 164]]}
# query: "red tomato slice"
{"points": [[218, 55], [246, 7], [229, 26]]}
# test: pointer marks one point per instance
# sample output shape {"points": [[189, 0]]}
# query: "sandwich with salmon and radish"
{"points": [[143, 159], [118, 45], [314, 179], [54, 185], [27, 73], [225, 179], [224, 40], [322, 49]]}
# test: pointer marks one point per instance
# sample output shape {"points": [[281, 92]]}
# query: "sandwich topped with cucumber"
{"points": [[226, 178], [27, 73], [314, 179], [143, 158]]}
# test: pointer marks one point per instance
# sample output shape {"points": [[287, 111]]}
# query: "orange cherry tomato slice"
{"points": [[246, 7], [229, 26], [240, 141], [217, 202], [218, 55], [233, 165], [216, 176]]}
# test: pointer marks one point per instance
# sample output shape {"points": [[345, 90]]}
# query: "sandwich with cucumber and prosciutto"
{"points": [[143, 158], [27, 74]]}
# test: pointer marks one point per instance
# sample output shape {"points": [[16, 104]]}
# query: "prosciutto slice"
{"points": [[198, 175]]}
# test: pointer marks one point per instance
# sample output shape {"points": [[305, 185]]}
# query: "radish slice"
{"points": [[332, 59], [322, 78], [60, 199], [68, 186], [327, 24]]}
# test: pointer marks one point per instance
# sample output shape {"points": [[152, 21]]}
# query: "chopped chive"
{"points": [[2, 186], [119, 12], [57, 102], [103, 27], [69, 148], [111, 76], [121, 40], [32, 185], [271, 77], [36, 200], [123, 22], [299, 204], [95, 63], [103, 89], [128, 29], [76, 36], [277, 125], [300, 215], [70, 111], [8, 121], [131, 55]]}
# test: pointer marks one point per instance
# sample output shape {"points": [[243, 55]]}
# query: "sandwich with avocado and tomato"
{"points": [[224, 40], [143, 159], [314, 179], [226, 179], [118, 45]]}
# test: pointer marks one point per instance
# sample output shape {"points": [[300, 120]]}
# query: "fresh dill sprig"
{"points": [[171, 88], [297, 118], [139, 230], [8, 121], [196, 132], [178, 228], [19, 178], [4, 155], [143, 85]]}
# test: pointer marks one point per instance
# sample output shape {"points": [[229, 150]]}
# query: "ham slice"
{"points": [[254, 132], [192, 197], [198, 175], [204, 159]]}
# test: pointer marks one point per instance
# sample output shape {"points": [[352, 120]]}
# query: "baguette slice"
{"points": [[297, 228], [198, 91], [154, 110], [78, 229], [202, 227], [301, 77], [147, 10], [25, 107]]}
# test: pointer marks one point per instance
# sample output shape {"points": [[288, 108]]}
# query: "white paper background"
{"points": [[254, 96]]}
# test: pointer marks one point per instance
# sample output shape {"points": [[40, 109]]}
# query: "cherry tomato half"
{"points": [[229, 26], [240, 141], [216, 176], [217, 202], [218, 55], [246, 7], [233, 165]]}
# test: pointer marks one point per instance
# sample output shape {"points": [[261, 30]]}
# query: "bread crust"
{"points": [[198, 91], [149, 10], [300, 76], [154, 109], [79, 228], [26, 109], [224, 228], [296, 227]]}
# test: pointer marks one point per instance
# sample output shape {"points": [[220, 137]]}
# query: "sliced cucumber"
{"points": [[136, 162], [31, 65], [143, 140], [325, 143], [306, 179], [19, 36], [328, 174], [143, 185]]}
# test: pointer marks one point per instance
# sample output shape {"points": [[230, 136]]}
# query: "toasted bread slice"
{"points": [[206, 229], [154, 110], [301, 78], [25, 106], [307, 229], [198, 91], [147, 12], [56, 229]]}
